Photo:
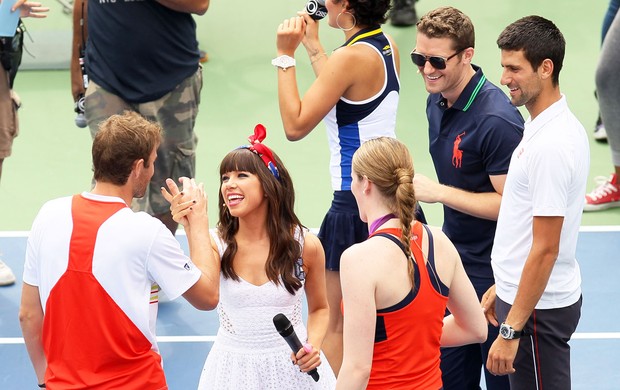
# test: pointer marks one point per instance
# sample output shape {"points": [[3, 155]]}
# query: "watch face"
{"points": [[505, 332]]}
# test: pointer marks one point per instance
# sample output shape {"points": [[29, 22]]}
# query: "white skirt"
{"points": [[229, 366]]}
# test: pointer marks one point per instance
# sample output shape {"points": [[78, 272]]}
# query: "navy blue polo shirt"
{"points": [[139, 50], [469, 141]]}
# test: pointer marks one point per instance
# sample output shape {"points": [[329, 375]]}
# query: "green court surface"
{"points": [[51, 157]]}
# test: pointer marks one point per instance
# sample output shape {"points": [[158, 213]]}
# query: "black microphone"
{"points": [[285, 328]]}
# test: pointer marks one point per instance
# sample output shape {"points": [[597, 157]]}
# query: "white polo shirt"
{"points": [[547, 177]]}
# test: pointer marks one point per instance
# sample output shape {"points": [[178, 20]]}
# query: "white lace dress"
{"points": [[248, 352]]}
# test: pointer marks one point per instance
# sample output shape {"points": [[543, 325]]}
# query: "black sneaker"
{"points": [[403, 13]]}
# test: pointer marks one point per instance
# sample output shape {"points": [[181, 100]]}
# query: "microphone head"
{"points": [[282, 324]]}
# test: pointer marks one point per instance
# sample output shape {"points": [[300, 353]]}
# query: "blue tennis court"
{"points": [[186, 334]]}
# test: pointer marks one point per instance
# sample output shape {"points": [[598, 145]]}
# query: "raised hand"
{"points": [[29, 9], [290, 34], [183, 201]]}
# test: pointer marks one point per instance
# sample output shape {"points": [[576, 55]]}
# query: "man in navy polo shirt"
{"points": [[473, 130]]}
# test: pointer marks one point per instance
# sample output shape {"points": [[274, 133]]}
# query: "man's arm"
{"points": [[31, 322], [478, 204], [537, 269], [198, 7], [80, 34], [534, 278]]}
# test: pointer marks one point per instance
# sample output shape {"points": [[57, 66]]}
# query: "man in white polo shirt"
{"points": [[537, 296]]}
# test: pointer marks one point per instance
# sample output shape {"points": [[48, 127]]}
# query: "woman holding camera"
{"points": [[356, 94]]}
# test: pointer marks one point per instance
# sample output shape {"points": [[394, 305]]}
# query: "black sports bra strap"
{"points": [[439, 286], [393, 239], [431, 247]]}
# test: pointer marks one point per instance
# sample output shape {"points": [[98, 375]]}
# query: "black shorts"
{"points": [[543, 358], [341, 228]]}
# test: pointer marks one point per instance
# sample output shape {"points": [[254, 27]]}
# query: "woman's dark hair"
{"points": [[369, 12], [282, 223]]}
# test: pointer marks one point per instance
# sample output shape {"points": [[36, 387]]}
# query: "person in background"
{"points": [[269, 261], [356, 93], [143, 56], [537, 295], [600, 134], [10, 58], [403, 13], [473, 129], [607, 194], [395, 293], [88, 305]]}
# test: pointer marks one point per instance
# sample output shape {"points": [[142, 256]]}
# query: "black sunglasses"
{"points": [[436, 62]]}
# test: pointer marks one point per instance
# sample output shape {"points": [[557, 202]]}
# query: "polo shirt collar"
{"points": [[102, 198], [533, 126], [469, 94]]}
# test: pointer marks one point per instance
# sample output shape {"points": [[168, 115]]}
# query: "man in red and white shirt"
{"points": [[86, 313]]}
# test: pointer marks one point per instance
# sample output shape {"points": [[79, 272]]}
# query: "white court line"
{"points": [[210, 339], [160, 339], [596, 336], [599, 229], [181, 232]]}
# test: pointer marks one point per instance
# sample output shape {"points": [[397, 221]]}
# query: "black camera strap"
{"points": [[11, 49]]}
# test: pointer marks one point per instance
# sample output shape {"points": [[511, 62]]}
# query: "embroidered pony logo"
{"points": [[457, 154]]}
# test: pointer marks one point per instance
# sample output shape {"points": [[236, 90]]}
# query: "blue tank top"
{"points": [[350, 123]]}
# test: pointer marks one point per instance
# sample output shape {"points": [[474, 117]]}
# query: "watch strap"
{"points": [[514, 334]]}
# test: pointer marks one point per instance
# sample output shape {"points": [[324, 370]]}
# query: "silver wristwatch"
{"points": [[508, 333], [283, 62]]}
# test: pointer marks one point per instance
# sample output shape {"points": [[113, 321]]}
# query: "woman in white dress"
{"points": [[269, 261]]}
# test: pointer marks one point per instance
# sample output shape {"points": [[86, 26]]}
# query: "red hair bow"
{"points": [[256, 146]]}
